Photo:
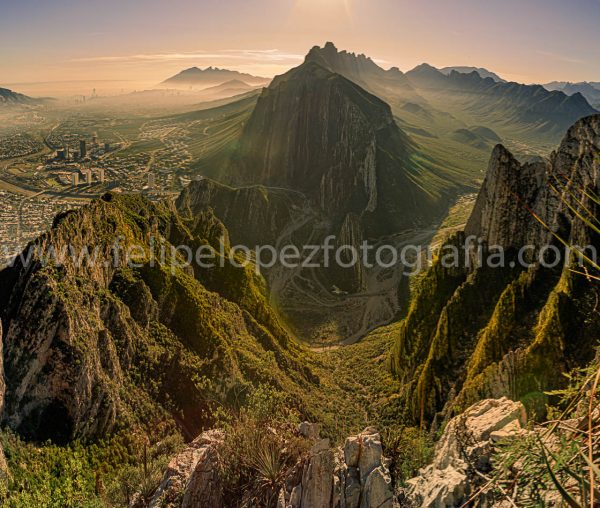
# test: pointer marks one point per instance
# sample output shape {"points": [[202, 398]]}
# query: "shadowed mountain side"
{"points": [[317, 132], [508, 108]]}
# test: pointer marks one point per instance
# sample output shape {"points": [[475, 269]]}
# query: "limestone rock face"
{"points": [[377, 489], [467, 442], [317, 478], [516, 198], [192, 476]]}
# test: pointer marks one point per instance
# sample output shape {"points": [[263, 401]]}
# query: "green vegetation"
{"points": [[106, 473]]}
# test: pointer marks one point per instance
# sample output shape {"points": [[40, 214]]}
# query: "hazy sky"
{"points": [[149, 40]]}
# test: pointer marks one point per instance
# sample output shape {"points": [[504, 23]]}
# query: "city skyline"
{"points": [[143, 42]]}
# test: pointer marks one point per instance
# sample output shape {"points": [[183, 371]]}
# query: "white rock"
{"points": [[377, 491]]}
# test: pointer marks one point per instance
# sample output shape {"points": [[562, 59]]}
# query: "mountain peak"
{"points": [[195, 76], [464, 69]]}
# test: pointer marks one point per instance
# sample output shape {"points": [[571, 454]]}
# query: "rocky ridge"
{"points": [[477, 331], [86, 344]]}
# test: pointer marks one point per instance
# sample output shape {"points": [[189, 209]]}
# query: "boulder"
{"points": [[309, 430], [465, 445], [352, 451], [377, 491], [192, 475]]}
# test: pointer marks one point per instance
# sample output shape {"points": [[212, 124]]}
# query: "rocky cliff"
{"points": [[316, 132], [479, 331]]}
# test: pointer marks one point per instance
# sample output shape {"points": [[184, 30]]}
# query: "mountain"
{"points": [[98, 347], [231, 85], [491, 329], [591, 91], [333, 149], [8, 97], [478, 137], [484, 73], [211, 76], [230, 88], [319, 133], [511, 109]]}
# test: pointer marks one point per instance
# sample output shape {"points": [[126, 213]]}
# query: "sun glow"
{"points": [[323, 10]]}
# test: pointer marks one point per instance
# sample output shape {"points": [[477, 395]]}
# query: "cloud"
{"points": [[561, 58], [254, 55]]}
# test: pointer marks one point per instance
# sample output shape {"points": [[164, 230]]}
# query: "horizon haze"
{"points": [[68, 47]]}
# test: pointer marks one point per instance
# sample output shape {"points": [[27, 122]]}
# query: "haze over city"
{"points": [[136, 44]]}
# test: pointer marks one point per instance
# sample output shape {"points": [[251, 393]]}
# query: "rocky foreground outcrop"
{"points": [[192, 477], [357, 474], [353, 476], [463, 454]]}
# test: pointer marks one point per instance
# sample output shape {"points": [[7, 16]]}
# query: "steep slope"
{"points": [[505, 329], [128, 337], [509, 108], [211, 76]]}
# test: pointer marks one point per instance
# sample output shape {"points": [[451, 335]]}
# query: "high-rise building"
{"points": [[82, 148], [75, 179], [101, 175], [107, 147], [60, 154], [88, 177]]}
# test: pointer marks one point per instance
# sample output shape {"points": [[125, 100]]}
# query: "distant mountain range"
{"points": [[484, 73], [211, 76], [529, 110], [590, 90], [230, 88], [458, 97]]}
